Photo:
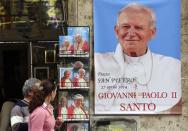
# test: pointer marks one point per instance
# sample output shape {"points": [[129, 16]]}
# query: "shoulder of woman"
{"points": [[39, 111]]}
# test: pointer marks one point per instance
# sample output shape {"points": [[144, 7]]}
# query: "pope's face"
{"points": [[67, 74], [66, 43], [63, 101], [78, 102], [78, 38], [81, 73], [134, 32]]}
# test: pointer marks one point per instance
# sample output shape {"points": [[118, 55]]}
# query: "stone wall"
{"points": [[80, 14]]}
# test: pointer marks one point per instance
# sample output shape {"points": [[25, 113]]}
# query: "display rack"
{"points": [[74, 76]]}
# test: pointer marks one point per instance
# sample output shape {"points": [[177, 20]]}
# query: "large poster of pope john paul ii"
{"points": [[137, 57]]}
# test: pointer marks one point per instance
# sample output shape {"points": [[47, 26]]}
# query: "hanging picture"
{"points": [[137, 57], [80, 40], [79, 75], [66, 46], [73, 105], [66, 78]]}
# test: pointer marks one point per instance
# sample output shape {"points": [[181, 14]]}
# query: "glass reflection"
{"points": [[28, 15]]}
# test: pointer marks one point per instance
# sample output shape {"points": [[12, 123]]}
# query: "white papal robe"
{"points": [[136, 85]]}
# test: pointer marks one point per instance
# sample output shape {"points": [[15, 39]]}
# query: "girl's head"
{"points": [[47, 91]]}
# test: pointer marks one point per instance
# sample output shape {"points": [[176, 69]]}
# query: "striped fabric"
{"points": [[19, 116]]}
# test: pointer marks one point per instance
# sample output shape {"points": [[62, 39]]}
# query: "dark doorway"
{"points": [[14, 70]]}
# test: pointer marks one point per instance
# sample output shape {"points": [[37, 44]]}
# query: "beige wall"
{"points": [[80, 14]]}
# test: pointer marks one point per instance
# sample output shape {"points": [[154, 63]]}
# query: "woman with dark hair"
{"points": [[41, 111]]}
